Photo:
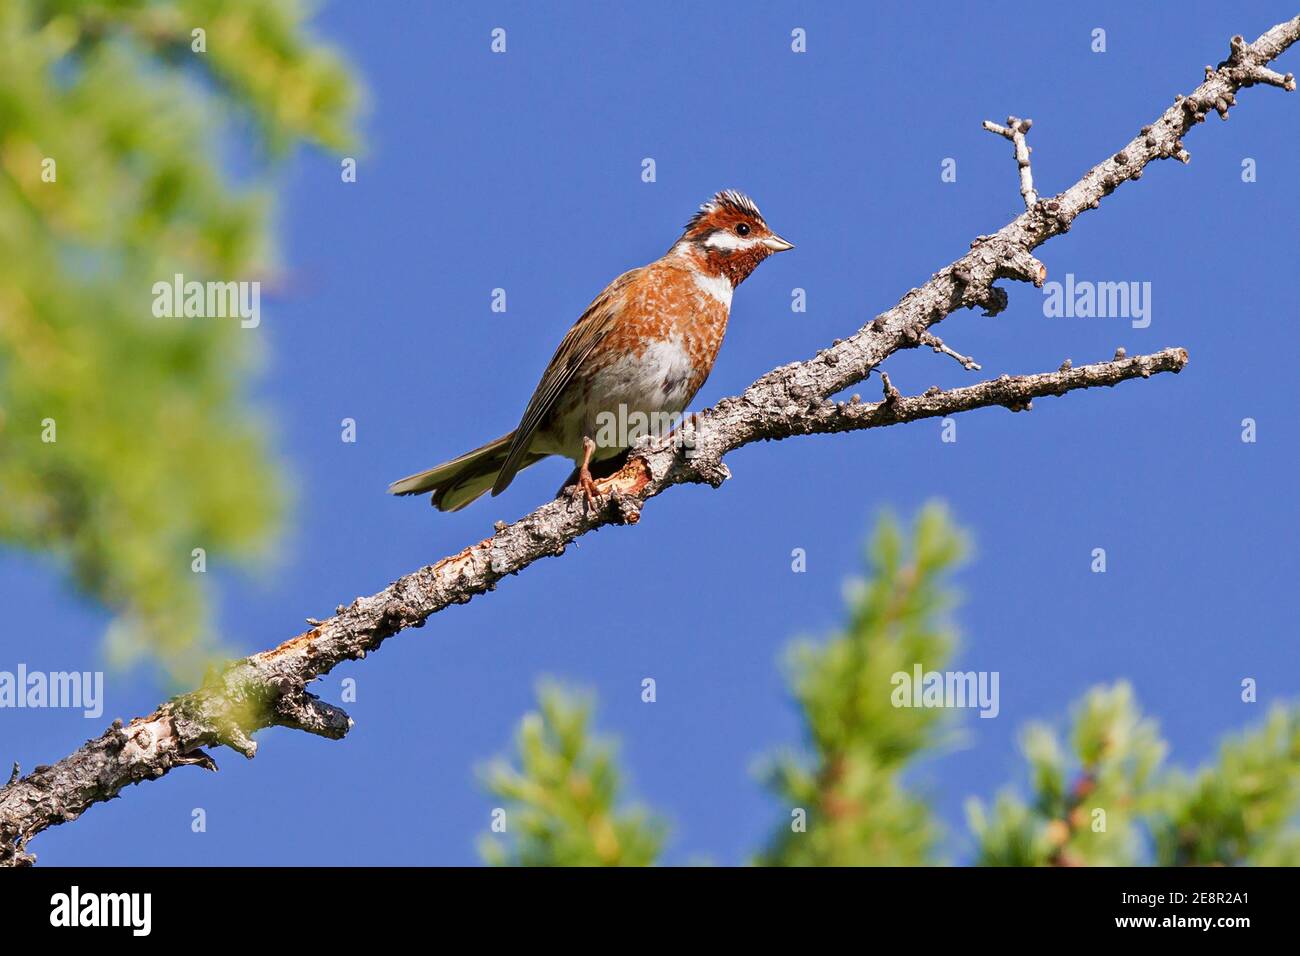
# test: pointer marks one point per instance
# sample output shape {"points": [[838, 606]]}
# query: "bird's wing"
{"points": [[591, 327]]}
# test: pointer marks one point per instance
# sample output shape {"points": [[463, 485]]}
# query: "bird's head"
{"points": [[729, 237]]}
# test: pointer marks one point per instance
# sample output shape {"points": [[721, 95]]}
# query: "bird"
{"points": [[634, 358]]}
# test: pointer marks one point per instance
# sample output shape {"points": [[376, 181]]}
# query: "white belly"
{"points": [[634, 396]]}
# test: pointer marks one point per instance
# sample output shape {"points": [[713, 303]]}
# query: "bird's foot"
{"points": [[583, 483], [585, 488]]}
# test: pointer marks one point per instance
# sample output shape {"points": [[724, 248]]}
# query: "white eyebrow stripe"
{"points": [[730, 242]]}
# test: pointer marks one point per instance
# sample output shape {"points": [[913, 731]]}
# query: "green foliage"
{"points": [[1099, 794], [155, 449], [857, 809], [1086, 806], [1240, 809], [561, 804]]}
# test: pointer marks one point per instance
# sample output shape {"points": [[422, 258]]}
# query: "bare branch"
{"points": [[1249, 62], [270, 688], [265, 689], [892, 395], [936, 343], [1013, 392], [1015, 131]]}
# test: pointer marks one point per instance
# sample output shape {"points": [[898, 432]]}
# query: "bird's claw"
{"points": [[585, 488]]}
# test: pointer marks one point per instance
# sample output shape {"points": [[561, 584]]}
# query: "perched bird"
{"points": [[638, 354]]}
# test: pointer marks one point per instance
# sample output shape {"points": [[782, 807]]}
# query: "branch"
{"points": [[936, 343], [270, 688], [1013, 392], [1015, 131]]}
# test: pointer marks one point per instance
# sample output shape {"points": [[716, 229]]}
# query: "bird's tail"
{"points": [[458, 482]]}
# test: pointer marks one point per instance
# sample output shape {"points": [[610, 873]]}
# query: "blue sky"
{"points": [[522, 171]]}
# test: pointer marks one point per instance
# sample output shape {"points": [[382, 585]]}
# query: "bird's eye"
{"points": [[742, 229]]}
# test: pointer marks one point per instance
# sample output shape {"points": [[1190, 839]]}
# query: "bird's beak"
{"points": [[777, 244]]}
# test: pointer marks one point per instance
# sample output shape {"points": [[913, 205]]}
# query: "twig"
{"points": [[936, 343], [1248, 62], [1013, 392], [1015, 131], [892, 394]]}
